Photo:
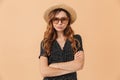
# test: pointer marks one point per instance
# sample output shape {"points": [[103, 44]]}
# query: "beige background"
{"points": [[22, 27]]}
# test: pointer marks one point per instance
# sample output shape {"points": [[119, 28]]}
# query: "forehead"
{"points": [[61, 14]]}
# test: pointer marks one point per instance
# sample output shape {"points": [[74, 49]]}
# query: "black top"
{"points": [[59, 55]]}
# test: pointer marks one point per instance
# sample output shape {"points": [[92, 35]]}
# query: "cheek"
{"points": [[54, 25], [65, 26]]}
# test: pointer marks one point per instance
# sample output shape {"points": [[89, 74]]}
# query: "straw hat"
{"points": [[63, 6]]}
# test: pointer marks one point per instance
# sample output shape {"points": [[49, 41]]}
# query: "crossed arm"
{"points": [[61, 68]]}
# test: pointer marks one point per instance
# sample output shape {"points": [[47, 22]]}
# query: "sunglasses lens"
{"points": [[55, 20], [63, 20]]}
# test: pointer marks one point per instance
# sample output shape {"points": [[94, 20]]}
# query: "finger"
{"points": [[76, 53], [81, 52], [80, 55]]}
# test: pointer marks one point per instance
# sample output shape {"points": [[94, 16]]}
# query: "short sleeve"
{"points": [[79, 42], [42, 50]]}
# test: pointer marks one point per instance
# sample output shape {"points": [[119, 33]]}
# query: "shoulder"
{"points": [[77, 36], [78, 40], [41, 43]]}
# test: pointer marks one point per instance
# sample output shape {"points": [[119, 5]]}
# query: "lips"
{"points": [[59, 27]]}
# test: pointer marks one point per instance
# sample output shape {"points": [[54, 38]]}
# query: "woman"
{"points": [[61, 50]]}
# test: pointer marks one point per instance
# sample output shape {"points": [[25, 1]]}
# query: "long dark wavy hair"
{"points": [[50, 34]]}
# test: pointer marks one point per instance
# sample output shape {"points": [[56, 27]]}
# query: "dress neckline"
{"points": [[61, 49]]}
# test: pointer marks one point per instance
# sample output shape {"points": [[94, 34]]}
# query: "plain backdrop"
{"points": [[22, 27]]}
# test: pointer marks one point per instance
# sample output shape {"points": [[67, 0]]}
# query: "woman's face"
{"points": [[60, 21]]}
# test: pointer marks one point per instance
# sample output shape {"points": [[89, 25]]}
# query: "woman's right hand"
{"points": [[79, 56]]}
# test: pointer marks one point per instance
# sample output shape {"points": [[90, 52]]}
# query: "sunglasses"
{"points": [[63, 20]]}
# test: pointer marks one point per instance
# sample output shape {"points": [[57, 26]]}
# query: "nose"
{"points": [[59, 22]]}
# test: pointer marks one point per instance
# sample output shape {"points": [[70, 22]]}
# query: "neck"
{"points": [[60, 35]]}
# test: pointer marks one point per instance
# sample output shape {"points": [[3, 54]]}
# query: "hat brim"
{"points": [[63, 6]]}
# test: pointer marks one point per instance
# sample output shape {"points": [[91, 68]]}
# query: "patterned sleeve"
{"points": [[79, 42], [42, 50]]}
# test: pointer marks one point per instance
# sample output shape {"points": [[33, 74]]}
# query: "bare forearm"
{"points": [[50, 72], [71, 65]]}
